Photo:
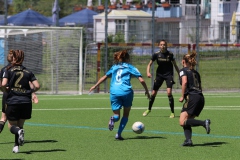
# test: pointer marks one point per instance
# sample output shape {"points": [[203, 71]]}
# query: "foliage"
{"points": [[192, 34], [45, 6], [119, 38], [2, 7]]}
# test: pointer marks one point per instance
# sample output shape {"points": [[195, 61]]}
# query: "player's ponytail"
{"points": [[193, 61], [10, 55], [190, 59]]}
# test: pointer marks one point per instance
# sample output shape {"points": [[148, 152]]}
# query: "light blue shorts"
{"points": [[117, 101]]}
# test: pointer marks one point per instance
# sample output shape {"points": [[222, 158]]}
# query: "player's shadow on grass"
{"points": [[211, 144], [11, 159], [41, 141], [163, 116], [145, 137], [26, 141], [44, 151]]}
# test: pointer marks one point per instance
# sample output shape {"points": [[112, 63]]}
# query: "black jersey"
{"points": [[2, 70], [164, 61], [193, 81], [18, 82], [1, 76]]}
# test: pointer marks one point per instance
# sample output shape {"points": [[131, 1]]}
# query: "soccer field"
{"points": [[76, 127]]}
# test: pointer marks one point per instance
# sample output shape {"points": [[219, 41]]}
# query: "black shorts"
{"points": [[15, 112], [159, 81], [4, 97], [194, 104]]}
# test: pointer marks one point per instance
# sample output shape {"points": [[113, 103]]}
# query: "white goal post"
{"points": [[53, 54]]}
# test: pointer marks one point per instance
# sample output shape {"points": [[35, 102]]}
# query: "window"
{"points": [[132, 30], [132, 26], [238, 32], [192, 1], [224, 31], [224, 8], [174, 1], [238, 7], [120, 26]]}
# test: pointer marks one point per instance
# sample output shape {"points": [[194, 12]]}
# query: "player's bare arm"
{"points": [[184, 86], [148, 69], [34, 89], [4, 84], [99, 82], [1, 85], [175, 66], [141, 80]]}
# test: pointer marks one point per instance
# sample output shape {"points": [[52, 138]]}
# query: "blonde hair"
{"points": [[190, 59], [121, 56]]}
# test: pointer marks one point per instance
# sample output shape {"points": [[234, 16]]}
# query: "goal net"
{"points": [[97, 62], [53, 54]]}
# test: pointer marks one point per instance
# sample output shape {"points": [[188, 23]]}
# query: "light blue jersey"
{"points": [[121, 93], [120, 78]]}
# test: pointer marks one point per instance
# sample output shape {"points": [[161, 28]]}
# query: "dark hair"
{"points": [[190, 58], [10, 55], [163, 40], [121, 56], [19, 57]]}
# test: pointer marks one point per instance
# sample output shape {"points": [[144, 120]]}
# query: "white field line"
{"points": [[229, 108], [79, 98]]}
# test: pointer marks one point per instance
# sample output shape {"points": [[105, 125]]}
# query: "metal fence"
{"points": [[218, 64], [97, 62]]}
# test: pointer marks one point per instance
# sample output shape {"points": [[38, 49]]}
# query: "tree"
{"points": [[22, 5], [45, 6], [1, 6]]}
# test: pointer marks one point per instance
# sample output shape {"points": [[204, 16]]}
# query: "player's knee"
{"points": [[116, 118], [182, 123], [169, 95]]}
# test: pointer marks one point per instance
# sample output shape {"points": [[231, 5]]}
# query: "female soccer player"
{"points": [[4, 96], [165, 60], [121, 93], [15, 82], [194, 99]]}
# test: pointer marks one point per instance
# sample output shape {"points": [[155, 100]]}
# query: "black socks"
{"points": [[1, 125], [194, 122], [171, 103], [151, 102], [14, 130], [187, 132]]}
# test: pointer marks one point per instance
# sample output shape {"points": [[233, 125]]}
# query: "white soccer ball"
{"points": [[138, 127]]}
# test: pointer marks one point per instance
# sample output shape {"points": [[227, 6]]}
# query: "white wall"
{"points": [[217, 17], [99, 28]]}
